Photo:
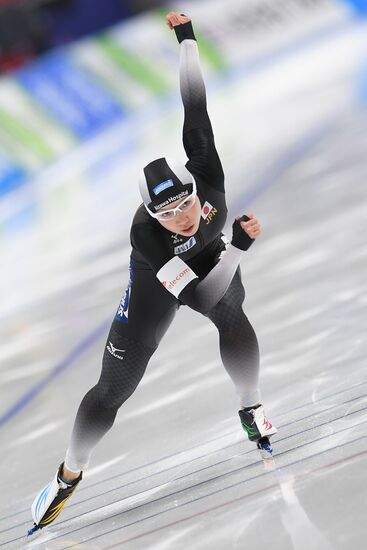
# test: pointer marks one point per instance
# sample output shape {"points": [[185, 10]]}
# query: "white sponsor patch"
{"points": [[185, 246], [205, 211], [175, 275]]}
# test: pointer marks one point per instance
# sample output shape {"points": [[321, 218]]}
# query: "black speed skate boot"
{"points": [[258, 428], [51, 499]]}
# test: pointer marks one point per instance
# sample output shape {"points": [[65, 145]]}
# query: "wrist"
{"points": [[234, 250], [242, 244], [184, 31], [241, 239]]}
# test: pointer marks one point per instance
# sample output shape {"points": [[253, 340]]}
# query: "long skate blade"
{"points": [[33, 530], [269, 463], [266, 453]]}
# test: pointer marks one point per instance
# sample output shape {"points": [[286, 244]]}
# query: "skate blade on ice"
{"points": [[33, 530], [266, 453]]}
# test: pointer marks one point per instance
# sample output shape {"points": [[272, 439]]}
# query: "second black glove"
{"points": [[240, 239]]}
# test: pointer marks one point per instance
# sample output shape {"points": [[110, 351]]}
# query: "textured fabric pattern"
{"points": [[125, 360], [204, 295], [239, 347], [149, 309], [97, 411]]}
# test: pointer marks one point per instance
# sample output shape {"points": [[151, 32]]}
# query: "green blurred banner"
{"points": [[72, 94]]}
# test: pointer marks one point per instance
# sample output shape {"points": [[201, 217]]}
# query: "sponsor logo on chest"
{"points": [[208, 212], [176, 238], [185, 246]]}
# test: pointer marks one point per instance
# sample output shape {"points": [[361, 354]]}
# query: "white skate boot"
{"points": [[258, 428], [51, 499]]}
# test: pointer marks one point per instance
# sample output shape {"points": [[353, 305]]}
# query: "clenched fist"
{"points": [[252, 226], [246, 229], [174, 18]]}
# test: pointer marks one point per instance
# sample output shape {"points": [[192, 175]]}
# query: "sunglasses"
{"points": [[169, 214]]}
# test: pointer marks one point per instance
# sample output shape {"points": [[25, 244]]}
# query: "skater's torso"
{"points": [[164, 245]]}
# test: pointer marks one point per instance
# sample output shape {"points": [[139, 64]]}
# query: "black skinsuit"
{"points": [[147, 307]]}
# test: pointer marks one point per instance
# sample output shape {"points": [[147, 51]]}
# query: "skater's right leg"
{"points": [[143, 317], [123, 366], [124, 363]]}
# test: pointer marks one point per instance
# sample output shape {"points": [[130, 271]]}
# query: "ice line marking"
{"points": [[210, 480], [351, 457], [209, 495], [56, 371], [198, 457]]}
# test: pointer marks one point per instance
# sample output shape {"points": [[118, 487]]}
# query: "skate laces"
{"points": [[63, 484]]}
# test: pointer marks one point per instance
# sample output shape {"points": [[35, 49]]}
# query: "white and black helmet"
{"points": [[164, 181]]}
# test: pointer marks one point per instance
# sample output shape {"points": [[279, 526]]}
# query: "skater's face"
{"points": [[184, 223]]}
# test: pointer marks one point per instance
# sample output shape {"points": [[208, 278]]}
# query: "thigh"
{"points": [[228, 312], [146, 309], [123, 366]]}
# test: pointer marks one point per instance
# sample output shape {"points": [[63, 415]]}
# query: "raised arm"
{"points": [[198, 138]]}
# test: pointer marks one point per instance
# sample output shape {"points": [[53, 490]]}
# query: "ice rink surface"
{"points": [[176, 471]]}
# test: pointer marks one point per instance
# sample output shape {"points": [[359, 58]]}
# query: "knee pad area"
{"points": [[227, 317], [228, 314], [123, 366]]}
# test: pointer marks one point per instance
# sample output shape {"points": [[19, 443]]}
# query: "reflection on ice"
{"points": [[172, 537], [104, 466], [304, 533], [174, 397], [36, 434]]}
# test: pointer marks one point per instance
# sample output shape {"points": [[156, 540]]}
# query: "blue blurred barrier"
{"points": [[75, 93], [70, 95], [10, 175], [362, 88], [360, 6]]}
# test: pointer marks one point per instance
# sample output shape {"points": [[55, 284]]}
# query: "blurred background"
{"points": [[88, 95], [31, 27]]}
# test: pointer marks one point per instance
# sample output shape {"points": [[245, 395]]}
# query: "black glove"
{"points": [[184, 30], [240, 239]]}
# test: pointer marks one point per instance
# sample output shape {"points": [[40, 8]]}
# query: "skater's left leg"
{"points": [[239, 350], [239, 347]]}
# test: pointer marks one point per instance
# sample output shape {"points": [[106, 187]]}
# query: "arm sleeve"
{"points": [[179, 279], [198, 138], [203, 295]]}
